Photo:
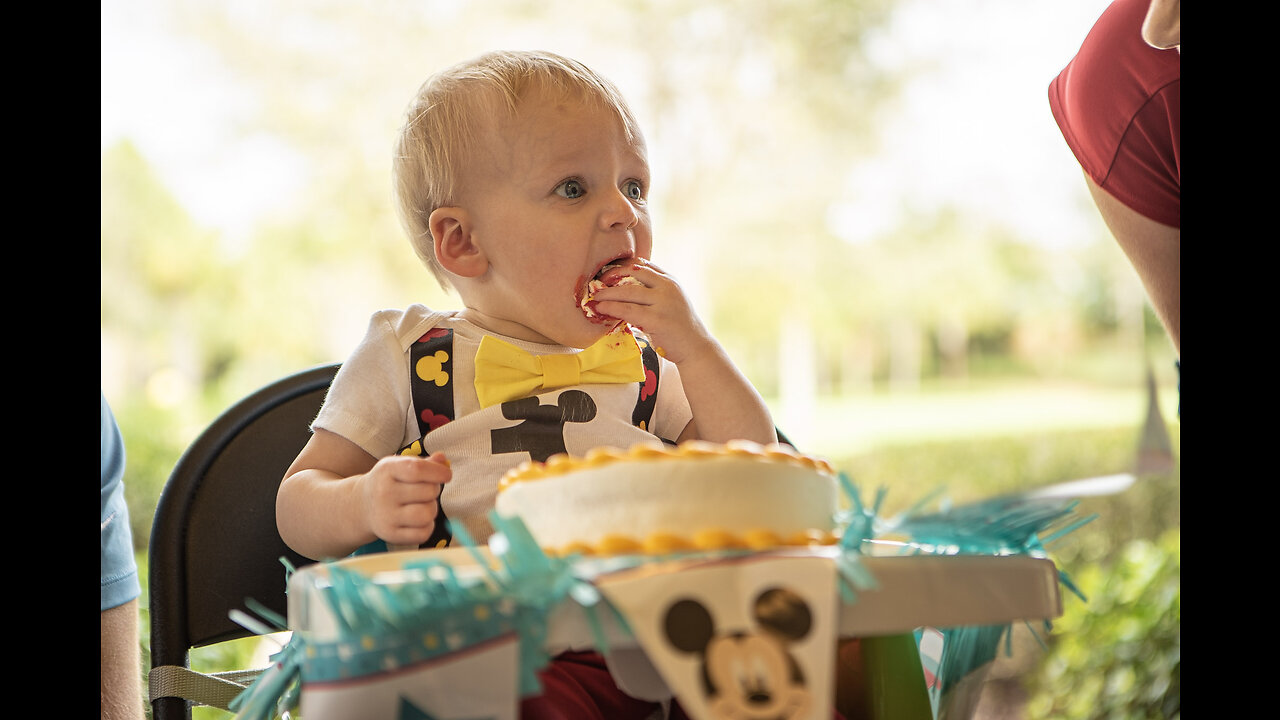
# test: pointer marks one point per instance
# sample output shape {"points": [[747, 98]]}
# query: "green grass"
{"points": [[860, 424]]}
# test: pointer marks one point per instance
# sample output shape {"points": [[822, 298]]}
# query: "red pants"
{"points": [[578, 686]]}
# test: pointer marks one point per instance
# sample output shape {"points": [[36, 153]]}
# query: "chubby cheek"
{"points": [[552, 299], [545, 277]]}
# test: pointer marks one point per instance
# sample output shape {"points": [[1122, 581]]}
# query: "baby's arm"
{"points": [[725, 405], [336, 497]]}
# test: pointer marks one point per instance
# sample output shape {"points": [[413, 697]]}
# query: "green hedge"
{"points": [[1119, 655], [1116, 654]]}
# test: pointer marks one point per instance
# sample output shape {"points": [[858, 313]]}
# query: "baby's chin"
{"points": [[593, 330]]}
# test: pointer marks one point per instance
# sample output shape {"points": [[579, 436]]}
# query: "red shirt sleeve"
{"points": [[1117, 104]]}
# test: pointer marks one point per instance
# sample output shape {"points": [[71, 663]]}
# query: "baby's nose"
{"points": [[620, 214]]}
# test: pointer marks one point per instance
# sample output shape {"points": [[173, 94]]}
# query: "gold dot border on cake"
{"points": [[707, 540], [562, 464]]}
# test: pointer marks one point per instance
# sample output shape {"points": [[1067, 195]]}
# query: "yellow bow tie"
{"points": [[505, 372]]}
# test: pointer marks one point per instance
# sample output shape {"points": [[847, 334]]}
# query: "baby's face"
{"points": [[557, 194]]}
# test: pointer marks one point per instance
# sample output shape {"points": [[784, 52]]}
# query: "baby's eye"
{"points": [[570, 189], [634, 190]]}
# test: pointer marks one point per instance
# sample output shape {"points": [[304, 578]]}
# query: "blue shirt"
{"points": [[119, 570]]}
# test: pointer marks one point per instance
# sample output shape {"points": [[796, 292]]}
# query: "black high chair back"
{"points": [[214, 541]]}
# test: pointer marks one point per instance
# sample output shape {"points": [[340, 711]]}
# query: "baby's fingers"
{"points": [[416, 493], [412, 469]]}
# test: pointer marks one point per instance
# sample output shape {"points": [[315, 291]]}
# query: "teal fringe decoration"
{"points": [[1004, 525], [857, 525], [276, 691], [536, 582], [964, 649]]}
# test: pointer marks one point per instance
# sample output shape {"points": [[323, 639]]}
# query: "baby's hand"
{"points": [[658, 306], [401, 494]]}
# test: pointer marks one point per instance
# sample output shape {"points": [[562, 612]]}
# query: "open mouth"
{"points": [[611, 275]]}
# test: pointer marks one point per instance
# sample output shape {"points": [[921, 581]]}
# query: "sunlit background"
{"points": [[868, 199]]}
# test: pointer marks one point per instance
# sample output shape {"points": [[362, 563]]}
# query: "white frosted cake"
{"points": [[697, 496]]}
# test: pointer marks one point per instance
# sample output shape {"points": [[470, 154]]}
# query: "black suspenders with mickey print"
{"points": [[541, 434]]}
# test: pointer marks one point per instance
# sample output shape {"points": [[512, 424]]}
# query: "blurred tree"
{"points": [[715, 82], [163, 283], [754, 111], [718, 85], [946, 275], [166, 288]]}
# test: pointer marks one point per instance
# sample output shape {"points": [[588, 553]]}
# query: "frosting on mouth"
{"points": [[611, 275]]}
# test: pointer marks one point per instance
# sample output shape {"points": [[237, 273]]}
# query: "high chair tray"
{"points": [[911, 591]]}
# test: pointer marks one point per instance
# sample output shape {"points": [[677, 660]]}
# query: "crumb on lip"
{"points": [[603, 278]]}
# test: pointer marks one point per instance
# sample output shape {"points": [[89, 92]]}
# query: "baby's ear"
{"points": [[451, 235]]}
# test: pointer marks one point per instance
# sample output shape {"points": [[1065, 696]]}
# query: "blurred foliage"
{"points": [[1116, 654], [1120, 656], [967, 470]]}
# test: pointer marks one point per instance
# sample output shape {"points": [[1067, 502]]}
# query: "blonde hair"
{"points": [[442, 120]]}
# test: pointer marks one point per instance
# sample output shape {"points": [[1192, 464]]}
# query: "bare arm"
{"points": [[1162, 27], [336, 497], [724, 403], [121, 663], [1154, 250]]}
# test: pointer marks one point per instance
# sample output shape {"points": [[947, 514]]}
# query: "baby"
{"points": [[523, 183]]}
